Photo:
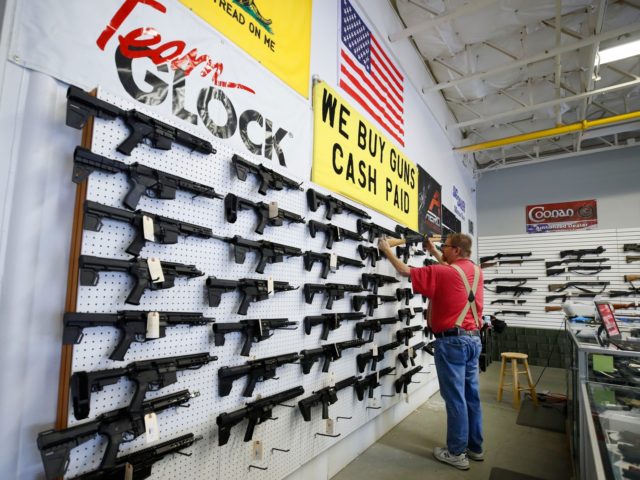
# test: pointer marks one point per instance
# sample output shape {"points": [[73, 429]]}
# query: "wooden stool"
{"points": [[514, 357]]}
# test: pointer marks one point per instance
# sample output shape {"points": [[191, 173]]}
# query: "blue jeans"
{"points": [[457, 366]]}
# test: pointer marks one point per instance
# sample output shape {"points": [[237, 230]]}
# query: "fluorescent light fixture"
{"points": [[619, 52]]}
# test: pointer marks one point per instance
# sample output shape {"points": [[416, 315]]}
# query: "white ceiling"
{"points": [[508, 67]]}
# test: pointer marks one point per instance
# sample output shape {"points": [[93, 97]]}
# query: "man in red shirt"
{"points": [[454, 288]]}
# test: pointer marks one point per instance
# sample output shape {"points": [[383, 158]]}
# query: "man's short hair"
{"points": [[463, 242]]}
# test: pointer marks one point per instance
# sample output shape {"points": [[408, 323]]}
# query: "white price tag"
{"points": [[378, 301], [257, 451], [377, 376], [128, 471], [148, 231], [155, 270], [338, 234], [406, 397], [260, 327], [412, 311], [153, 325], [273, 209], [329, 426], [332, 379], [270, 286], [152, 431], [410, 352], [333, 262], [374, 349]]}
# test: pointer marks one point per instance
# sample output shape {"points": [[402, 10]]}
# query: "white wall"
{"points": [[613, 179]]}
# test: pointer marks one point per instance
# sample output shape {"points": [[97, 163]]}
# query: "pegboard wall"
{"points": [[289, 432], [546, 247]]}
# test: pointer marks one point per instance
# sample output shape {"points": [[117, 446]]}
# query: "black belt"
{"points": [[457, 332]]}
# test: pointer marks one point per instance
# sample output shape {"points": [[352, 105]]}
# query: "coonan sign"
{"points": [[556, 217]]}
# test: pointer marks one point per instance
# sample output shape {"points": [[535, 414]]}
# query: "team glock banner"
{"points": [[430, 204], [352, 157], [557, 217], [276, 33]]}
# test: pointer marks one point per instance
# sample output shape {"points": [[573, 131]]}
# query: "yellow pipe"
{"points": [[549, 132]]}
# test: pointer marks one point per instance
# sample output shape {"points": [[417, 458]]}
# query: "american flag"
{"points": [[369, 76]]}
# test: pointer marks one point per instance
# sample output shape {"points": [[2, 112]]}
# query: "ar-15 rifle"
{"points": [[274, 217], [406, 293], [117, 426], [409, 314], [375, 231], [362, 359], [580, 270], [132, 324], [268, 252], [332, 232], [255, 330], [334, 291], [499, 256], [522, 313], [81, 105], [374, 326], [261, 369], [582, 252], [252, 289], [325, 396], [148, 226], [332, 204], [566, 261], [518, 280], [631, 247], [141, 461], [402, 383], [508, 301], [370, 252], [517, 291], [410, 354], [268, 178], [372, 301], [409, 238], [143, 180], [146, 374], [138, 268], [329, 321], [403, 335], [564, 298], [561, 287], [325, 258], [329, 352], [509, 262], [377, 280], [371, 382], [256, 412]]}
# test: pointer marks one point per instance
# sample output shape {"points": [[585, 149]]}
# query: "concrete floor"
{"points": [[406, 451]]}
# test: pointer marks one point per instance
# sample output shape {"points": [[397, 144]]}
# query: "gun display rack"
{"points": [[546, 246], [288, 442]]}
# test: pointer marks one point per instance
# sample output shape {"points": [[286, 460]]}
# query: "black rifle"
{"points": [[325, 258], [405, 253], [325, 396], [362, 359], [498, 256], [509, 262], [508, 301], [141, 461], [132, 325], [267, 252], [332, 204], [143, 180], [519, 280], [329, 321], [81, 105], [370, 252], [625, 293], [561, 287], [410, 354], [404, 334], [330, 353], [255, 330], [522, 313], [374, 325], [257, 370], [332, 232], [274, 217], [581, 253], [117, 426], [580, 270], [402, 383], [374, 230], [334, 291], [256, 412], [411, 237], [268, 178], [406, 293], [161, 229], [148, 375], [552, 298], [430, 348], [138, 268], [573, 260], [376, 280], [252, 290], [631, 247], [371, 382], [428, 262], [517, 291], [372, 301], [409, 313]]}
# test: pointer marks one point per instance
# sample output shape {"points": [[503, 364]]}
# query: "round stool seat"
{"points": [[516, 355], [514, 358]]}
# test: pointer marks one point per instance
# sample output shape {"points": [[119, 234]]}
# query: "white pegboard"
{"points": [[289, 432], [547, 247]]}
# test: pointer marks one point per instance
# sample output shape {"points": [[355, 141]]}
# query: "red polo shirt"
{"points": [[448, 297]]}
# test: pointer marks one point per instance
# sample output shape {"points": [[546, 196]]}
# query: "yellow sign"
{"points": [[352, 157], [277, 33]]}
